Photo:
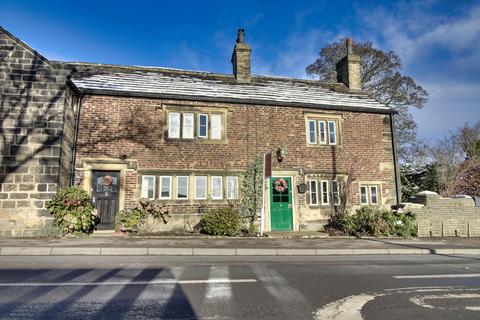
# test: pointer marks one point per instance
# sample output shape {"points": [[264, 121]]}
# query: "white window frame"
{"points": [[161, 187], [320, 140], [371, 196], [170, 126], [365, 187], [144, 179], [190, 134], [310, 132], [335, 183], [216, 135], [178, 184], [199, 126], [236, 188], [214, 197], [323, 184], [334, 133], [315, 183], [195, 187]]}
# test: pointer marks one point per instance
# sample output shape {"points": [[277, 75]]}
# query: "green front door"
{"points": [[281, 213]]}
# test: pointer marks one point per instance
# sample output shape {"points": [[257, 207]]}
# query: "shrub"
{"points": [[221, 222], [48, 230], [370, 221], [73, 211], [136, 220]]}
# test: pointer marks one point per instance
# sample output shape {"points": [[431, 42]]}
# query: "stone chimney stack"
{"points": [[348, 69], [241, 59]]}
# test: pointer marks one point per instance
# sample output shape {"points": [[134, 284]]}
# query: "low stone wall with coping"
{"points": [[444, 217]]}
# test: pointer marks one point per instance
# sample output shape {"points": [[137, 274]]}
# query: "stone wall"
{"points": [[445, 217], [32, 101]]}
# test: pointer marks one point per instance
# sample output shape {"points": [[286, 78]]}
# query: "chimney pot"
{"points": [[241, 36]]}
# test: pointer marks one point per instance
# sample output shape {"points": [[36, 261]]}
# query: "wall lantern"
{"points": [[302, 187], [281, 153]]}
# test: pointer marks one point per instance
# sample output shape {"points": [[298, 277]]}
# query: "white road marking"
{"points": [[437, 276], [348, 308], [123, 283], [421, 300], [218, 290]]}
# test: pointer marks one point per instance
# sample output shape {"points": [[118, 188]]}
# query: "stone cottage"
{"points": [[185, 138]]}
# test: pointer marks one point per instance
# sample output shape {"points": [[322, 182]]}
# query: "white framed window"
{"points": [[363, 195], [188, 125], [217, 188], [313, 192], [216, 126], [373, 195], [335, 193], [174, 125], [148, 187], [182, 187], [200, 187], [312, 131], [322, 132], [324, 191], [232, 188], [203, 126], [332, 132], [165, 187]]}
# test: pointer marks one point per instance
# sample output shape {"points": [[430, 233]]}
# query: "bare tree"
{"points": [[381, 78], [468, 138], [447, 156]]}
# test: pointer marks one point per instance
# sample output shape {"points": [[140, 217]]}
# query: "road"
{"points": [[335, 287]]}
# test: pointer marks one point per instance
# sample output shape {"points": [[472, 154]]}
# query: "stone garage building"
{"points": [[185, 138]]}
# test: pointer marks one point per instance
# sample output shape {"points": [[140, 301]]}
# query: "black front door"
{"points": [[105, 189]]}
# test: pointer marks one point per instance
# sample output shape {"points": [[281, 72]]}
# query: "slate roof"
{"points": [[183, 84]]}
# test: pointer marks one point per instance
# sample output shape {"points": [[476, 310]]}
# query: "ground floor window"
{"points": [[369, 194], [324, 192]]}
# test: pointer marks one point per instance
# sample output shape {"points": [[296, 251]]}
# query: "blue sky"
{"points": [[438, 41]]}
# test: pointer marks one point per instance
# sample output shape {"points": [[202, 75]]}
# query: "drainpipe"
{"points": [[75, 135], [395, 161]]}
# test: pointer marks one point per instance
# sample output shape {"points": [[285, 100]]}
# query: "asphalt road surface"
{"points": [[362, 287]]}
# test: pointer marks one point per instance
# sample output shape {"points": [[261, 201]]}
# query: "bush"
{"points": [[136, 220], [48, 230], [370, 221], [221, 222], [73, 211]]}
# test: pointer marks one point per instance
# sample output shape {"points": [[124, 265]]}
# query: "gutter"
{"points": [[395, 161]]}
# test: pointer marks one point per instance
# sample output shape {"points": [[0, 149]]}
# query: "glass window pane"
{"points": [[313, 192], [363, 195], [174, 125], [201, 187], [324, 192], [188, 123], [165, 187], [182, 187], [217, 186], [232, 187], [322, 132], [148, 187], [335, 193], [312, 132], [216, 121], [332, 132], [202, 126], [373, 195]]}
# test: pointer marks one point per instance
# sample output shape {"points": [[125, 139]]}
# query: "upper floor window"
{"points": [[190, 125], [322, 131]]}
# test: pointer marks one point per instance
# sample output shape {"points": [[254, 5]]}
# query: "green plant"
{"points": [[251, 188], [221, 222], [73, 211], [375, 222], [136, 220], [48, 230]]}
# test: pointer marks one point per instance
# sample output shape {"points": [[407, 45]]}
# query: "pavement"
{"points": [[206, 246]]}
